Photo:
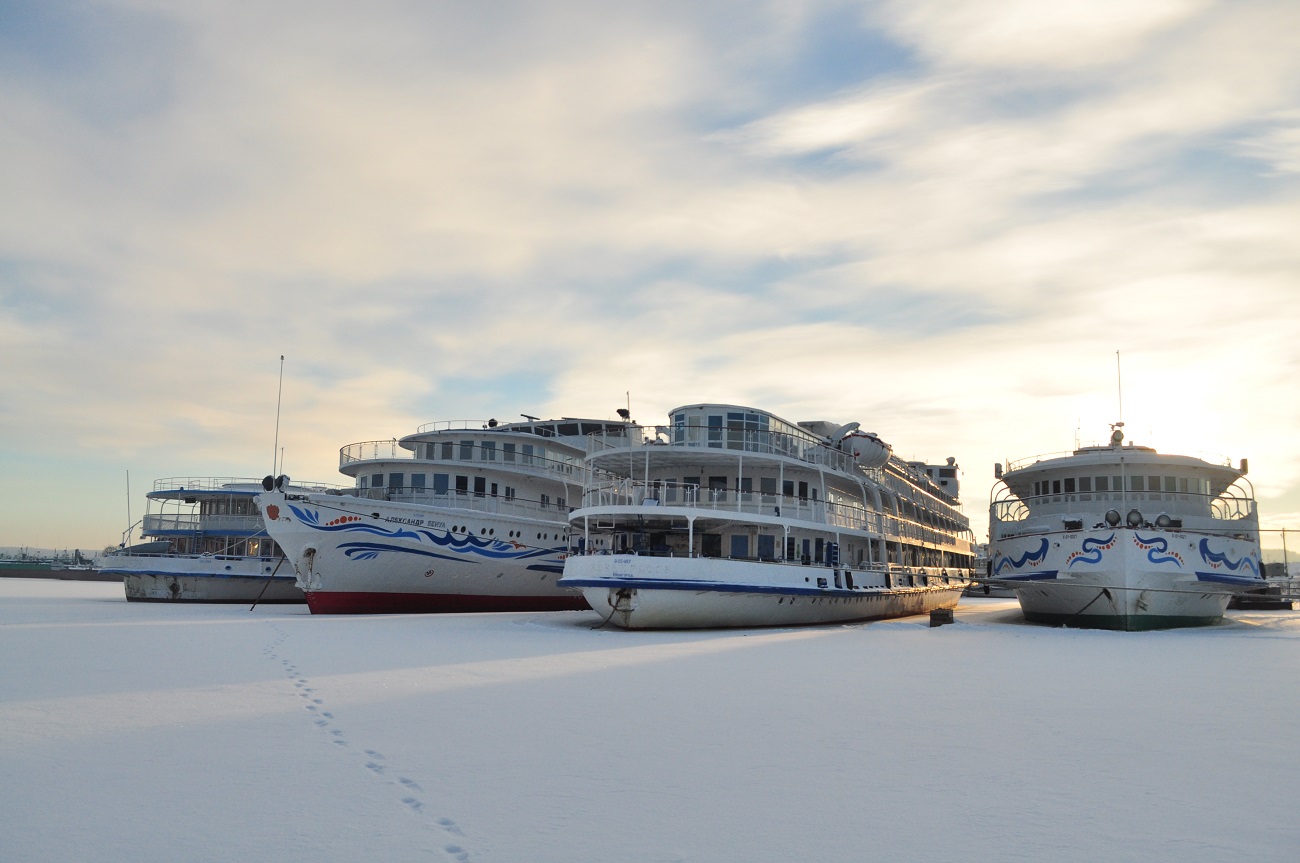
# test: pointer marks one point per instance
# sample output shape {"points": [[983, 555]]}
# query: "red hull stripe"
{"points": [[435, 603]]}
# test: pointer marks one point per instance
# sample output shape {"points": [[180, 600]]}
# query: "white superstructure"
{"points": [[732, 516], [1120, 536]]}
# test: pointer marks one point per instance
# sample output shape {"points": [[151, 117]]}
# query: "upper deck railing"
{"points": [[1199, 511], [625, 492], [221, 483], [737, 440], [1028, 461], [461, 452]]}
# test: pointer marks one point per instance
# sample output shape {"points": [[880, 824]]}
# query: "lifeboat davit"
{"points": [[866, 448]]}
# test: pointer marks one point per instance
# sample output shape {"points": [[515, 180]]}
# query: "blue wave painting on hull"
{"points": [[1091, 550], [1158, 549], [1220, 558], [1037, 556], [493, 549]]}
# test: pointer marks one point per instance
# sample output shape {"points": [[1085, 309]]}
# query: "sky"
{"points": [[981, 229], [276, 734]]}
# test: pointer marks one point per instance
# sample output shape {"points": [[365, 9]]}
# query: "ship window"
{"points": [[1171, 484], [1056, 486], [528, 453], [377, 480], [489, 450], [1136, 483], [1103, 483], [394, 481], [507, 452], [1069, 485], [1182, 484], [510, 493], [446, 449], [418, 480], [462, 485], [803, 491], [766, 547], [767, 485], [715, 436], [787, 487], [1085, 483], [717, 488], [439, 483], [546, 501], [746, 484], [692, 484], [950, 472], [480, 486], [466, 450], [711, 545], [739, 545], [493, 492]]}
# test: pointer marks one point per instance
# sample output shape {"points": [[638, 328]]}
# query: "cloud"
{"points": [[1029, 34], [939, 219]]}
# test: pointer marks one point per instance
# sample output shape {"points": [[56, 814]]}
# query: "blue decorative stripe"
{"points": [[493, 549], [1045, 575], [1221, 558], [729, 587], [1223, 578], [253, 576], [1036, 556]]}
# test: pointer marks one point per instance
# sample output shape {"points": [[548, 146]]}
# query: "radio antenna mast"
{"points": [[278, 392], [1119, 387]]}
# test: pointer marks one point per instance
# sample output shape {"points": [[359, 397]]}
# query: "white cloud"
{"points": [[1027, 33]]}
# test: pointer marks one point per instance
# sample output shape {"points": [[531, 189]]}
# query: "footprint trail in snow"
{"points": [[408, 790]]}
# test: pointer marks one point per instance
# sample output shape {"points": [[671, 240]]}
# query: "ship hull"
{"points": [[360, 556], [1125, 579], [204, 578], [645, 592]]}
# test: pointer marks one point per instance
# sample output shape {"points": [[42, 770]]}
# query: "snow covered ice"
{"points": [[153, 732]]}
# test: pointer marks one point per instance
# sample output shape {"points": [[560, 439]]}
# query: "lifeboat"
{"points": [[869, 450]]}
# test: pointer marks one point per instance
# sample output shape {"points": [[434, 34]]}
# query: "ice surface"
{"points": [[156, 732]]}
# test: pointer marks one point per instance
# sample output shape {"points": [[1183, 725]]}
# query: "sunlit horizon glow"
{"points": [[939, 219]]}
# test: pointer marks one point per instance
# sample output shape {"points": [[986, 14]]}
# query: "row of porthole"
{"points": [[491, 531]]}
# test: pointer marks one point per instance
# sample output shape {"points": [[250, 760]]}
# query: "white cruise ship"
{"points": [[1122, 537], [459, 516], [732, 516]]}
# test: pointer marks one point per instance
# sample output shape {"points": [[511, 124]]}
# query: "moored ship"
{"points": [[459, 516], [204, 541], [732, 516], [1120, 536]]}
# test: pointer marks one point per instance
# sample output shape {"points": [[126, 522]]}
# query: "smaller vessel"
{"points": [[205, 542], [732, 516], [1119, 536]]}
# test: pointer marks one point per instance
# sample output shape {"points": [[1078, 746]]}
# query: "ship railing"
{"points": [[724, 440], [622, 493], [482, 502], [230, 483], [479, 452], [212, 524], [1229, 511], [1027, 461]]}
